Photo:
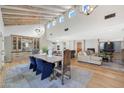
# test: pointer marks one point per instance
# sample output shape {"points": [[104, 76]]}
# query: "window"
{"points": [[61, 19], [54, 22], [49, 25], [85, 8], [88, 9], [71, 13]]}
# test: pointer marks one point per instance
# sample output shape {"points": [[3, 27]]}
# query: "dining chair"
{"points": [[32, 63], [43, 67], [64, 69], [39, 68], [35, 51], [48, 69]]}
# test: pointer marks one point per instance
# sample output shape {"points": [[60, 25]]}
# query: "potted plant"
{"points": [[45, 50]]}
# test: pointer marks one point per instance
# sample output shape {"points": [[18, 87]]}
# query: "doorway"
{"points": [[79, 47]]}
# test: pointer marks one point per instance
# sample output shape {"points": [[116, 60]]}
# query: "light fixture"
{"points": [[39, 32], [88, 9]]}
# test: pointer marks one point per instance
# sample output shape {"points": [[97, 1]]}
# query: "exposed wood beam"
{"points": [[31, 14], [23, 21], [51, 8], [25, 12], [6, 17], [29, 9], [21, 14], [45, 8]]}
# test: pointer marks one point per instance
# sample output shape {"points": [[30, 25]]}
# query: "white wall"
{"points": [[25, 30], [91, 44], [1, 40], [44, 42], [71, 45], [82, 27]]}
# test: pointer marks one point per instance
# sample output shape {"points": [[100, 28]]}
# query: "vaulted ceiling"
{"points": [[31, 14]]}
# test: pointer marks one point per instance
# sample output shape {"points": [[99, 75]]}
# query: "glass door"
{"points": [[14, 41], [19, 44]]}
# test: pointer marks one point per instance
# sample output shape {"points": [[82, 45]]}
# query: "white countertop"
{"points": [[52, 59]]}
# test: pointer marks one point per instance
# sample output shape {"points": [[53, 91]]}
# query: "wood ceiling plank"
{"points": [[25, 12], [14, 15], [29, 9], [30, 14], [23, 21], [8, 17], [51, 8], [41, 7]]}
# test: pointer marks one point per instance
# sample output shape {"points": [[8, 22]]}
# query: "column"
{"points": [[1, 40]]}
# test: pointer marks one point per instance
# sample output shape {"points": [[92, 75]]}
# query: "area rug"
{"points": [[21, 77]]}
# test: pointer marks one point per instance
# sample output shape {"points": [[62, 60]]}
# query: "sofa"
{"points": [[90, 59]]}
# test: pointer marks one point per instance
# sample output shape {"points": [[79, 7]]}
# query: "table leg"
{"points": [[62, 80], [62, 74]]}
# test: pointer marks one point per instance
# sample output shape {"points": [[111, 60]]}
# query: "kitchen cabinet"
{"points": [[16, 45]]}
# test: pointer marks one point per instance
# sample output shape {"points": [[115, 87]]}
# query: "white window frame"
{"points": [[54, 22], [49, 25]]}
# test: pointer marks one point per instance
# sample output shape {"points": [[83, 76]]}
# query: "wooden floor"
{"points": [[102, 77]]}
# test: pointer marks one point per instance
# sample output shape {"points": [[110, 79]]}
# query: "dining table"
{"points": [[53, 59]]}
